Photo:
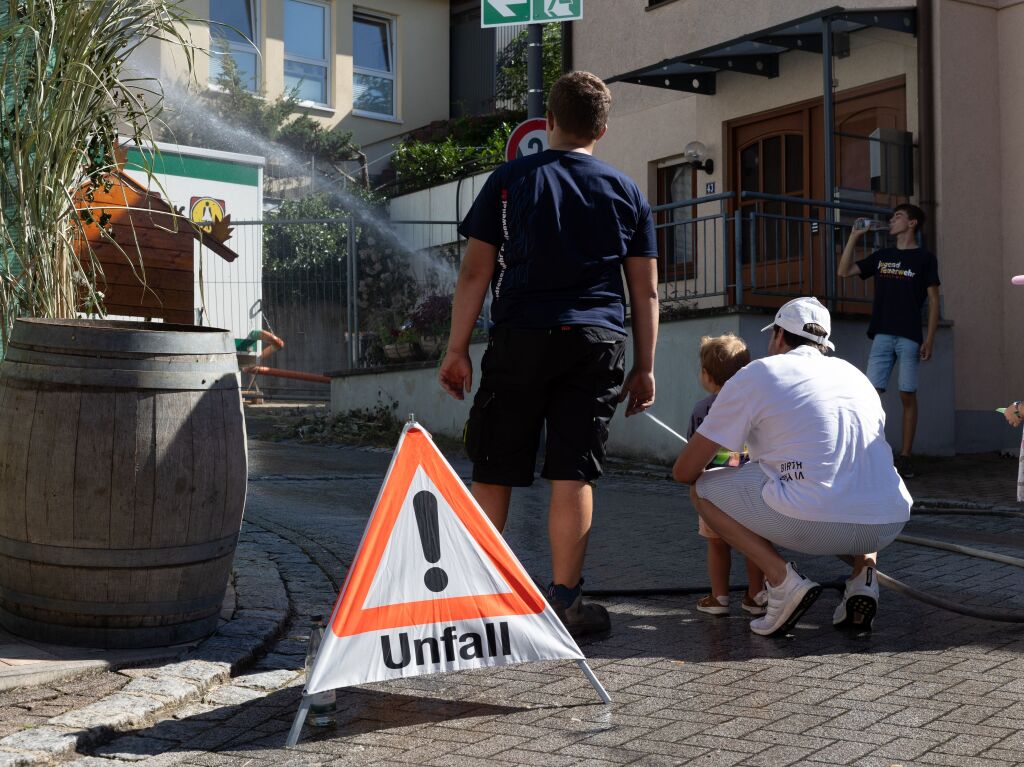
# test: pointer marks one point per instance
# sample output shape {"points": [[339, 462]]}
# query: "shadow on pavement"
{"points": [[261, 724]]}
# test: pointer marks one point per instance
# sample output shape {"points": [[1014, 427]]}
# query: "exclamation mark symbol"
{"points": [[425, 505]]}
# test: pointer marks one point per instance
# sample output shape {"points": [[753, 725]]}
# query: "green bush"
{"points": [[421, 164]]}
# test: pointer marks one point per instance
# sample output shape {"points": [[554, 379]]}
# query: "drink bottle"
{"points": [[870, 224], [322, 705]]}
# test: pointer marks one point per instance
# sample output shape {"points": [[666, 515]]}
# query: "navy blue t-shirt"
{"points": [[563, 222], [902, 279]]}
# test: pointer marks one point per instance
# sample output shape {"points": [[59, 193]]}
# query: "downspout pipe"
{"points": [[828, 134], [926, 115]]}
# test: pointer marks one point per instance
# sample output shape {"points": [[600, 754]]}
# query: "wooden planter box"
{"points": [[432, 346], [402, 352]]}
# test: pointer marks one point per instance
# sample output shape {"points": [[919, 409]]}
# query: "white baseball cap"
{"points": [[792, 316]]}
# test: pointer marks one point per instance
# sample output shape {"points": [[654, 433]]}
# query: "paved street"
{"points": [[926, 688]]}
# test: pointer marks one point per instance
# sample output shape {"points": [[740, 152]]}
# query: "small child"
{"points": [[720, 358]]}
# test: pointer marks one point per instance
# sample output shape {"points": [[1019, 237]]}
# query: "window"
{"points": [[306, 48], [373, 91], [233, 32], [676, 230]]}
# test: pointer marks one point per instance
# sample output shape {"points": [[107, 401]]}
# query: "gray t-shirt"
{"points": [[700, 412]]}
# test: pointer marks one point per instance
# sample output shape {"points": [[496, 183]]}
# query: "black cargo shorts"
{"points": [[566, 378]]}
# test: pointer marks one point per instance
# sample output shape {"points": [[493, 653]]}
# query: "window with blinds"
{"points": [[234, 34], [373, 92], [307, 48]]}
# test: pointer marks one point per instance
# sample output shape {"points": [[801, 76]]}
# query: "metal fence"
{"points": [[356, 292], [341, 293]]}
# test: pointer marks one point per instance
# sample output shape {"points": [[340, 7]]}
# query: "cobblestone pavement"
{"points": [[927, 687], [34, 706]]}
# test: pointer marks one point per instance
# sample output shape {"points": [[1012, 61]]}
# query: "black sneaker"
{"points": [[582, 619], [904, 466]]}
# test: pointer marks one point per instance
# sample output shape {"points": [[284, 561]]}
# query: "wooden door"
{"points": [[782, 152], [771, 157], [858, 112]]}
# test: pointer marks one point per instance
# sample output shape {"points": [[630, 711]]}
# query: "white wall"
{"points": [[446, 202], [678, 389]]}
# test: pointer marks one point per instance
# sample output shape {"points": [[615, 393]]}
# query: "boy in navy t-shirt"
{"points": [[551, 235], [904, 277]]}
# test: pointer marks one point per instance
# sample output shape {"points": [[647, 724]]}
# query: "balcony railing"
{"points": [[760, 248]]}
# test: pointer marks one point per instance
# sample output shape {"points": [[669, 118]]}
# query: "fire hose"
{"points": [[272, 345], [929, 507]]}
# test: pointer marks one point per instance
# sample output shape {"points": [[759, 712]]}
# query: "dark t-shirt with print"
{"points": [[902, 279], [563, 222]]}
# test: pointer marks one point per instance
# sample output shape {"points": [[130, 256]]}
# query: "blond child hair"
{"points": [[722, 356]]}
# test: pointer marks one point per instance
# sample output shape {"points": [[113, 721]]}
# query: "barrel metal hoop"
{"points": [[111, 638], [124, 609], [119, 379], [77, 358], [66, 556], [116, 336]]}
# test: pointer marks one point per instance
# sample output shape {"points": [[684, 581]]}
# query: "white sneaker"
{"points": [[786, 603], [860, 602]]}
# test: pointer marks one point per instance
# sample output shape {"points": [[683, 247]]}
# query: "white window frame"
{"points": [[236, 47], [328, 53], [389, 21]]}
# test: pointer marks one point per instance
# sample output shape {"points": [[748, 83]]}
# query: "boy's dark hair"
{"points": [[793, 340], [914, 213], [722, 356], [580, 102]]}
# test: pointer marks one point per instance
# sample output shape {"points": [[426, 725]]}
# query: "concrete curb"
{"points": [[261, 612], [924, 504]]}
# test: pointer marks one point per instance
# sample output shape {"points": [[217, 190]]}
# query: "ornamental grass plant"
{"points": [[69, 101]]}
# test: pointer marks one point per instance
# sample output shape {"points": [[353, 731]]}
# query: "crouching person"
{"points": [[820, 479]]}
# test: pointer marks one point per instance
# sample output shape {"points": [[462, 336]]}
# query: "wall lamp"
{"points": [[696, 155]]}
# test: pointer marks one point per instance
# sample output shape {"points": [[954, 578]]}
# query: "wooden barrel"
{"points": [[122, 481]]}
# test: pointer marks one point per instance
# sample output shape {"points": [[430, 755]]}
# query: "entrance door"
{"points": [[782, 152], [771, 159]]}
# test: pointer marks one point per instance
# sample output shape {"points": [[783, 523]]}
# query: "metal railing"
{"points": [[354, 292], [788, 246], [693, 239], [769, 246]]}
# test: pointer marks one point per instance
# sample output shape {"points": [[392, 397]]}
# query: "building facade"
{"points": [[924, 107], [377, 68]]}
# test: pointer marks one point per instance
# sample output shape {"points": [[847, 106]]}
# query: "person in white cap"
{"points": [[820, 479]]}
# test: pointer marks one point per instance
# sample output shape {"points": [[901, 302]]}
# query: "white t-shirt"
{"points": [[816, 427]]}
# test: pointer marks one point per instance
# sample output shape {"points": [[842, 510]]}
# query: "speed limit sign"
{"points": [[529, 137]]}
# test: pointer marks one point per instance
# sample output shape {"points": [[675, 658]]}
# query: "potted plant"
{"points": [[408, 343], [69, 102], [431, 319], [123, 442]]}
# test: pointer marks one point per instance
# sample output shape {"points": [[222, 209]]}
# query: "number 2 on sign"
{"points": [[534, 146]]}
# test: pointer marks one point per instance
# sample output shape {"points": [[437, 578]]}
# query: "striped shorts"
{"points": [[737, 492]]}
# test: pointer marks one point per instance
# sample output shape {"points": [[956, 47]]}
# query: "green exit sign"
{"points": [[497, 13]]}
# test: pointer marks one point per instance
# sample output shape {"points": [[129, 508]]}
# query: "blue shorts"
{"points": [[886, 350]]}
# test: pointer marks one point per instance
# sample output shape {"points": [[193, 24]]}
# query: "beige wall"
{"points": [[980, 170], [979, 115], [421, 60], [1011, 163], [969, 186], [668, 120]]}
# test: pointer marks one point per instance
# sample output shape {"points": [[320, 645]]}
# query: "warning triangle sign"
{"points": [[433, 586]]}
